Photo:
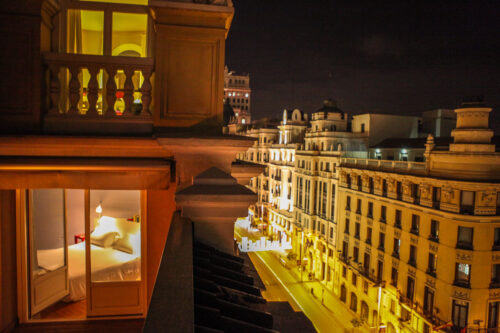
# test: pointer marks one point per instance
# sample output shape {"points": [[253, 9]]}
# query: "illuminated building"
{"points": [[237, 91], [417, 241]]}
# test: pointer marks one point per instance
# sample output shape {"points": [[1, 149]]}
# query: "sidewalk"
{"points": [[325, 296]]}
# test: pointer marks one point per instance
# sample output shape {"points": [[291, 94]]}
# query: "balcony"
{"points": [[461, 283], [395, 255], [115, 99], [431, 271], [414, 231], [434, 238]]}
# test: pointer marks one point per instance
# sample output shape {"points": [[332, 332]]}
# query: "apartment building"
{"points": [[417, 241], [238, 93]]}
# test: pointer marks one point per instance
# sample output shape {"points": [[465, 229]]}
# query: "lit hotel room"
{"points": [[59, 251]]}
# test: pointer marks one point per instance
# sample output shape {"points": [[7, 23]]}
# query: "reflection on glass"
{"points": [[129, 34], [115, 226], [85, 31], [47, 216]]}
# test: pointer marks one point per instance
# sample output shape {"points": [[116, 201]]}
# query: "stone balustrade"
{"points": [[375, 164], [66, 87]]}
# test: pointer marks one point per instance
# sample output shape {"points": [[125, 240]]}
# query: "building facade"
{"points": [[237, 91], [407, 242]]}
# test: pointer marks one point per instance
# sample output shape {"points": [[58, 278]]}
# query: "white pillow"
{"points": [[124, 245], [103, 237], [128, 244]]}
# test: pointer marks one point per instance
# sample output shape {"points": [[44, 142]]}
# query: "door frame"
{"points": [[141, 287], [23, 269]]}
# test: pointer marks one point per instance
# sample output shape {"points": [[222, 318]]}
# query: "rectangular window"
{"points": [[380, 270], [496, 240], [459, 313], [413, 256], [368, 235], [431, 267], [462, 275], [344, 272], [366, 263], [415, 224], [464, 238], [434, 236], [358, 207], [119, 214], [345, 249], [383, 213], [428, 300], [495, 276], [85, 31], [467, 202], [381, 241], [346, 227], [397, 219], [357, 230], [394, 276], [332, 205], [355, 254], [397, 244], [331, 232], [354, 279], [348, 203], [410, 288], [370, 209]]}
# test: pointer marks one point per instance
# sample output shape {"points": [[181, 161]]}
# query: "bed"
{"points": [[110, 262]]}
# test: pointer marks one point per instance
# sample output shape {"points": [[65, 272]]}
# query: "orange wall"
{"points": [[8, 287], [161, 206]]}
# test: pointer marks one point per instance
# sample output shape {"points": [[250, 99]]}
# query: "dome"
{"points": [[330, 105]]}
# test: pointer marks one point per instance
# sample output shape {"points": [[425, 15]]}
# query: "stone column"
{"points": [[189, 62], [213, 202]]}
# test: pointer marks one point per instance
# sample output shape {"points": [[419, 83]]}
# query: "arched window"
{"points": [[364, 311], [354, 302], [343, 293]]}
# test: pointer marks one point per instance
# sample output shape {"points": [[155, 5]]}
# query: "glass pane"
{"points": [[47, 214], [129, 34], [85, 31], [115, 224]]}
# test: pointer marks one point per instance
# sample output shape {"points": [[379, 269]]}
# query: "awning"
{"points": [[83, 173]]}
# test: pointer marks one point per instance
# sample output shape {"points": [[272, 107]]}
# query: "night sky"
{"points": [[370, 56]]}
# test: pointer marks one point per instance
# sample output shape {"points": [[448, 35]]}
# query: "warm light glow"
{"points": [[98, 209]]}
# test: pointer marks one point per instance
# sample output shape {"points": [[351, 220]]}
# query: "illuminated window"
{"points": [[246, 95]]}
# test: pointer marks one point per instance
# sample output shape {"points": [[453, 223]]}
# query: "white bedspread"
{"points": [[107, 264]]}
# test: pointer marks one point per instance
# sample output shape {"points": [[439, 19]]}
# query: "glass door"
{"points": [[114, 227], [48, 254]]}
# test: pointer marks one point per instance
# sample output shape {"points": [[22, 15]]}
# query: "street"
{"points": [[325, 311]]}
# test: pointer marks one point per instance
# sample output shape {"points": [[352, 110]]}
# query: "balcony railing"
{"points": [[117, 86], [401, 166]]}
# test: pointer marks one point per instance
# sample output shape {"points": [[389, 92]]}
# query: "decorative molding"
{"points": [[412, 272], [395, 263], [461, 294], [431, 282], [397, 233], [461, 256], [433, 247], [414, 240]]}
